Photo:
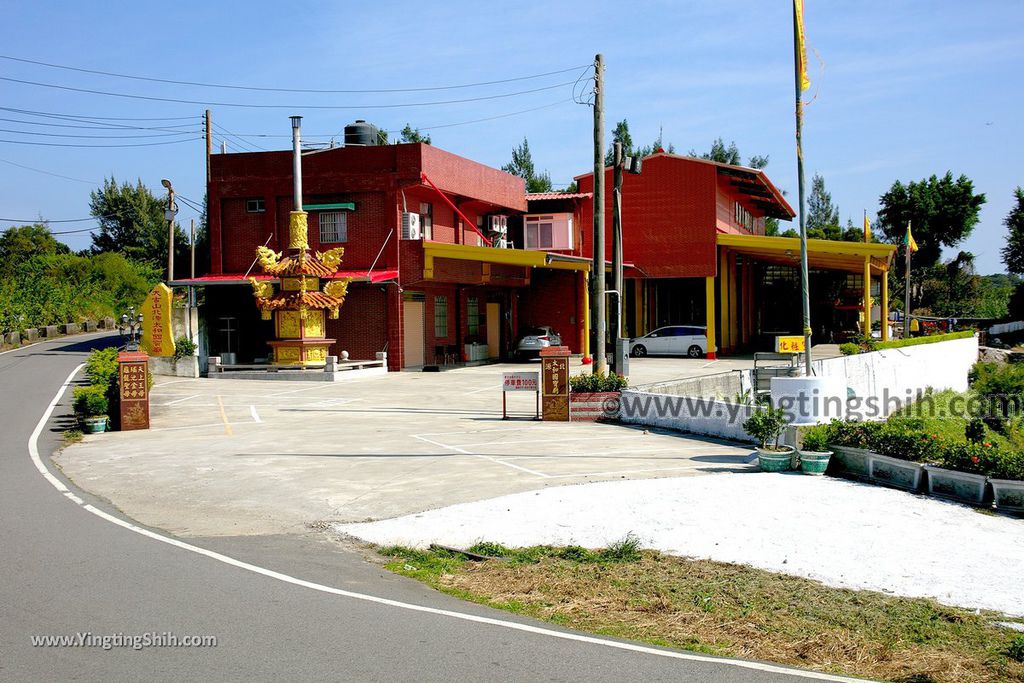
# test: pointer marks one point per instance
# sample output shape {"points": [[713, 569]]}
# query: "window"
{"points": [[427, 220], [440, 316], [743, 217], [254, 206], [473, 315], [333, 226], [548, 232]]}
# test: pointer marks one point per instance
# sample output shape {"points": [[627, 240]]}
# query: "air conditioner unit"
{"points": [[497, 224], [411, 226], [500, 242]]}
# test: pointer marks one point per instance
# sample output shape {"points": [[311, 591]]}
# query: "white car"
{"points": [[672, 340]]}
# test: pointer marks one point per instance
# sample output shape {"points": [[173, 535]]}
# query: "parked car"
{"points": [[535, 339], [671, 340]]}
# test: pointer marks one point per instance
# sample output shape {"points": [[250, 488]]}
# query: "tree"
{"points": [[758, 162], [1013, 250], [822, 214], [22, 242], [522, 166], [621, 134], [952, 288], [722, 154], [132, 223], [942, 212], [410, 134]]}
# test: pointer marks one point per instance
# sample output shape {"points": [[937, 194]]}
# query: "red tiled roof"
{"points": [[558, 195]]}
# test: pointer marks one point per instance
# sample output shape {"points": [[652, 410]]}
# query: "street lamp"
{"points": [[169, 215], [129, 327]]}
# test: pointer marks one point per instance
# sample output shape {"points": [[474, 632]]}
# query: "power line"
{"points": [[224, 131], [291, 90], [86, 117], [284, 106], [108, 137], [55, 175], [44, 220], [95, 125], [60, 144]]}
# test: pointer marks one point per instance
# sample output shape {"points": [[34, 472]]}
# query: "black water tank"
{"points": [[361, 133]]}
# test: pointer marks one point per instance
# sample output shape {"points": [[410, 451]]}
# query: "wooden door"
{"points": [[412, 333], [493, 330]]}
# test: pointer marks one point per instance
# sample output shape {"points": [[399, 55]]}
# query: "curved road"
{"points": [[281, 607]]}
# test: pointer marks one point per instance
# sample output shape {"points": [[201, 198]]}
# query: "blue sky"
{"points": [[901, 90]]}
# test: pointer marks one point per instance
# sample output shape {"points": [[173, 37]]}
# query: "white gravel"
{"points": [[834, 531]]}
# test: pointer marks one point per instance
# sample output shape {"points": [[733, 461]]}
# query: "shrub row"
{"points": [[596, 382], [870, 344]]}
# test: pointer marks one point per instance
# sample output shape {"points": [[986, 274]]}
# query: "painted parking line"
{"points": [[462, 451], [176, 401]]}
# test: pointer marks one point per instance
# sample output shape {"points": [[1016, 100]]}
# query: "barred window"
{"points": [[333, 226], [473, 315], [440, 316]]}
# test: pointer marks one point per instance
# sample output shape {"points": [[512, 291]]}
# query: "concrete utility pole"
{"points": [[169, 215], [805, 293], [617, 283], [209, 144], [598, 278]]}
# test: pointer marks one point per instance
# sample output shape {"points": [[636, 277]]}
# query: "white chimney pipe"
{"points": [[297, 160]]}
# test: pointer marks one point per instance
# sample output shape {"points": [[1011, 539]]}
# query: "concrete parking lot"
{"points": [[248, 457]]}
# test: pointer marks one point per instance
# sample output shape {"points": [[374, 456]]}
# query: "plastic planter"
{"points": [[959, 486], [94, 425], [1008, 494], [814, 462], [775, 461], [850, 461], [888, 471]]}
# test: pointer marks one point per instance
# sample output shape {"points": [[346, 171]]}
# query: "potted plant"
{"points": [[1006, 475], [91, 406], [814, 452], [766, 425]]}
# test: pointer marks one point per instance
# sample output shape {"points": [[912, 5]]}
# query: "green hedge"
{"points": [[597, 382], [930, 339]]}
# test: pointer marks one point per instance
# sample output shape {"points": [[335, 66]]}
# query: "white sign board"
{"points": [[520, 381]]}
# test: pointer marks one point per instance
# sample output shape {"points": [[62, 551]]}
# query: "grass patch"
{"points": [[725, 609], [72, 436]]}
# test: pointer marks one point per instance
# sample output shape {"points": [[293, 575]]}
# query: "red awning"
{"points": [[241, 279]]}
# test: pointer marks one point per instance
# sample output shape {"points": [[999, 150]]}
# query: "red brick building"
{"points": [[693, 236], [417, 224]]}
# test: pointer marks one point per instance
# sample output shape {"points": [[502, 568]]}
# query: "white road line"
{"points": [[255, 415], [473, 431], [549, 440], [325, 385], [33, 450], [173, 381], [477, 391], [178, 400], [709, 364], [480, 455]]}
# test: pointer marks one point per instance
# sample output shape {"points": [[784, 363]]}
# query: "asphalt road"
{"points": [[301, 609]]}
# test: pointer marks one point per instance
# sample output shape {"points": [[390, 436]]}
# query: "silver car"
{"points": [[536, 339], [672, 340]]}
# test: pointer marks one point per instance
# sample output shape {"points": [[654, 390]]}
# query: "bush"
{"points": [[815, 440], [597, 382], [1015, 650], [183, 348], [91, 401], [930, 339], [849, 349], [101, 366], [1001, 384], [766, 425]]}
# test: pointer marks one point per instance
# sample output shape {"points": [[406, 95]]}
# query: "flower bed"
{"points": [[595, 396]]}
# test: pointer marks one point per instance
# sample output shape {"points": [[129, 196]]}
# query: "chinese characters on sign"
{"points": [[519, 381], [793, 344], [157, 333], [133, 380], [554, 366]]}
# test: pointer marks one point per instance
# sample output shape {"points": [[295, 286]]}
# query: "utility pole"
{"points": [[616, 311], [906, 293], [805, 294], [597, 301], [209, 145], [192, 266], [169, 215]]}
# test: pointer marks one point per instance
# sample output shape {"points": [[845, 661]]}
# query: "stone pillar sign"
{"points": [[554, 370], [133, 376], [157, 330]]}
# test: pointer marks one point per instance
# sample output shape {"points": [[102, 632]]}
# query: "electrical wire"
{"points": [[60, 144], [99, 118], [284, 106], [251, 146], [96, 125], [55, 175], [190, 203], [288, 90], [44, 220], [107, 137]]}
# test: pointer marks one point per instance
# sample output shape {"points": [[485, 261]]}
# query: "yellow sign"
{"points": [[157, 332], [792, 344]]}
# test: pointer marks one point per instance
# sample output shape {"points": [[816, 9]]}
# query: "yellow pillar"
{"points": [[709, 315], [638, 306], [885, 305], [586, 314], [867, 296], [734, 328], [723, 296]]}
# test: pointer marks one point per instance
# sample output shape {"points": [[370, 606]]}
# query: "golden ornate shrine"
{"points": [[299, 307]]}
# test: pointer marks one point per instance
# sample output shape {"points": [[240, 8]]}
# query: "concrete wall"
{"points": [[881, 381], [903, 373]]}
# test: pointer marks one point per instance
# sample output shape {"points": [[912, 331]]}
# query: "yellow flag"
{"points": [[867, 229], [909, 240], [805, 81]]}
